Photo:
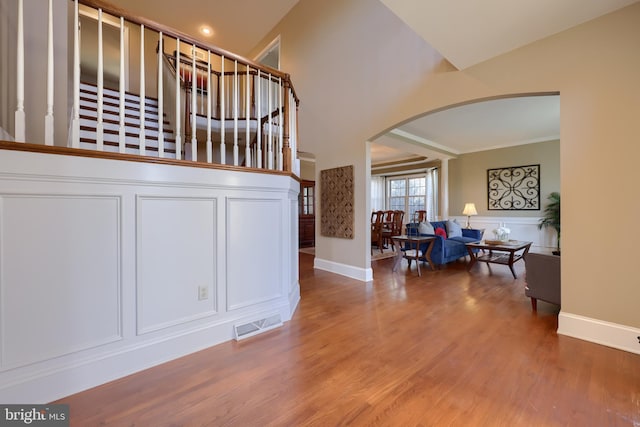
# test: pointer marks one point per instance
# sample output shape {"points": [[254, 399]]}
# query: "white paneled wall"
{"points": [[522, 228], [176, 253], [60, 278], [108, 267], [255, 275]]}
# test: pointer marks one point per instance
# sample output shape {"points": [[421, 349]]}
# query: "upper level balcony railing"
{"points": [[142, 88]]}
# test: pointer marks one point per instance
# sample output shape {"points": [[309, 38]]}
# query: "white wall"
{"points": [[102, 264]]}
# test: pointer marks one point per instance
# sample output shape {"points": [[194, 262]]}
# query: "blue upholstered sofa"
{"points": [[447, 249]]}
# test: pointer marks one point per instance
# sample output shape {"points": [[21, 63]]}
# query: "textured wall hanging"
{"points": [[514, 188], [336, 202]]}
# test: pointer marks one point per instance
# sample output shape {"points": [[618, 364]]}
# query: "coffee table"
{"points": [[505, 253], [413, 252]]}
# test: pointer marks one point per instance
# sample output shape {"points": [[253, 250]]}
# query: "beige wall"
{"points": [[468, 175], [359, 71], [308, 170]]}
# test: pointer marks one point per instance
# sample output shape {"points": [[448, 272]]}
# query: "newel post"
{"points": [[286, 148]]}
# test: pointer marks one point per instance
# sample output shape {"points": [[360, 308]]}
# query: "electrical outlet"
{"points": [[638, 340], [203, 293]]}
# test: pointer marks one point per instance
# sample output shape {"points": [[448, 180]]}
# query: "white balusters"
{"points": [[280, 125], [269, 126], [247, 109], [19, 116], [142, 142], [223, 113], [259, 124], [235, 113], [48, 119], [194, 95], [121, 127], [100, 89], [75, 121], [160, 98], [209, 100], [262, 97], [178, 104], [293, 133]]}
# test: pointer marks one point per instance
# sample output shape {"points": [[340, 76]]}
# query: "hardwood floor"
{"points": [[449, 348]]}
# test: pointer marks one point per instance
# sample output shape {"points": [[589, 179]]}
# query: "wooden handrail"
{"points": [[79, 152]]}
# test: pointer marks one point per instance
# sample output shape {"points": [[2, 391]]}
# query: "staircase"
{"points": [[111, 123]]}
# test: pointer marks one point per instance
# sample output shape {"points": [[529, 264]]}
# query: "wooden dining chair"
{"points": [[419, 216], [377, 220]]}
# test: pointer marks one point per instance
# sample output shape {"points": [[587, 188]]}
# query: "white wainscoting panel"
{"points": [[71, 278], [176, 257], [522, 228], [254, 251], [109, 267]]}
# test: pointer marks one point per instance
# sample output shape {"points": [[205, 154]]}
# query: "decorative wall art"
{"points": [[514, 188], [336, 202]]}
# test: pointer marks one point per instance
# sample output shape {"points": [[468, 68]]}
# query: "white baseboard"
{"points": [[600, 332], [362, 274], [80, 375], [294, 299]]}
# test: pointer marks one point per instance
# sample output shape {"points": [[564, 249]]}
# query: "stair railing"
{"points": [[230, 109]]}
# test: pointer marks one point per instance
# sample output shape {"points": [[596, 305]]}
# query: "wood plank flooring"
{"points": [[451, 348]]}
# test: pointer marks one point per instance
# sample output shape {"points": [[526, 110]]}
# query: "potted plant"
{"points": [[551, 216]]}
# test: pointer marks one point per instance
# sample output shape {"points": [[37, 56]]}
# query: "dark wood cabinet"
{"points": [[306, 215]]}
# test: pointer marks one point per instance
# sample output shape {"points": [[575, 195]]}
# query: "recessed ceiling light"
{"points": [[206, 31]]}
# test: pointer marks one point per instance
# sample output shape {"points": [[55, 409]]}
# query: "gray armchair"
{"points": [[542, 278]]}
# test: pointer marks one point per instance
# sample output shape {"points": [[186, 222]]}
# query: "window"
{"points": [[408, 194], [413, 193], [306, 198]]}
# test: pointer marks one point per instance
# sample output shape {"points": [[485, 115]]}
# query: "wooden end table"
{"points": [[414, 243], [505, 253]]}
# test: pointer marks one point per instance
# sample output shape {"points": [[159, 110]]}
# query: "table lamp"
{"points": [[469, 209]]}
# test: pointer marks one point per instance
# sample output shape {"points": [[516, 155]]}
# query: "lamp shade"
{"points": [[469, 209]]}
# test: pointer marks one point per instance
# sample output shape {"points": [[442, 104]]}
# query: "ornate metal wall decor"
{"points": [[514, 188], [337, 202]]}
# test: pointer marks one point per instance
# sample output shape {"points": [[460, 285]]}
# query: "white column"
{"points": [[160, 98], [178, 104], [121, 129], [444, 187], [75, 121], [48, 119], [100, 89], [143, 143]]}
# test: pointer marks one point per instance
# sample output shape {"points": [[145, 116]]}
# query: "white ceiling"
{"points": [[465, 32], [238, 25], [474, 127]]}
